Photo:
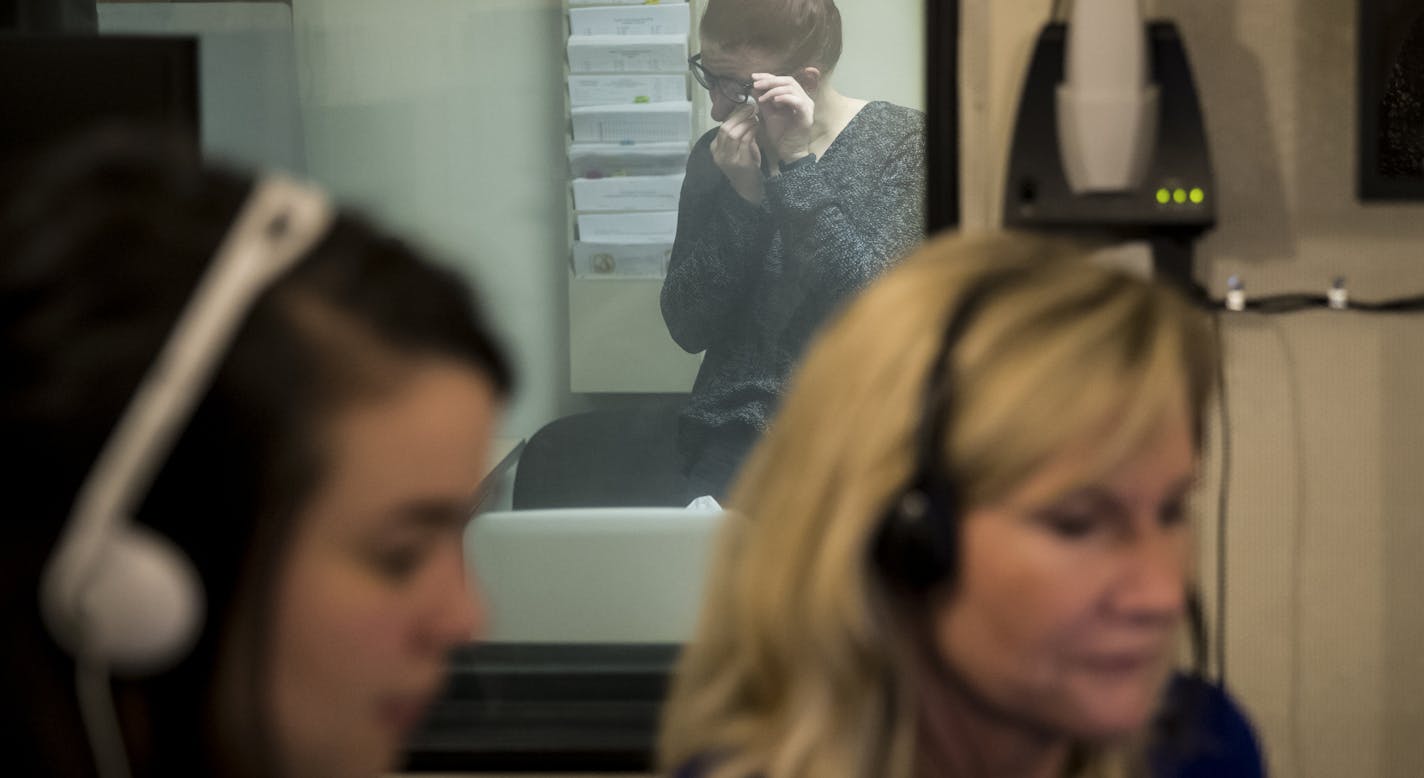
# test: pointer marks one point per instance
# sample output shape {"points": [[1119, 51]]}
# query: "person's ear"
{"points": [[810, 79]]}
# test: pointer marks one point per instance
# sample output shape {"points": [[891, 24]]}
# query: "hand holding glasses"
{"points": [[778, 103], [735, 149], [739, 92]]}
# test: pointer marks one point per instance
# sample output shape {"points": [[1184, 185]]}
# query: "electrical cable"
{"points": [[101, 718], [1297, 584], [1303, 301], [1222, 492]]}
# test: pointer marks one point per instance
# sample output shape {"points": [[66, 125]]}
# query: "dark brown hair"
{"points": [[807, 33]]}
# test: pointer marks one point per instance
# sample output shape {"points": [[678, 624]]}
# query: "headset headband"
{"points": [[938, 403], [280, 222]]}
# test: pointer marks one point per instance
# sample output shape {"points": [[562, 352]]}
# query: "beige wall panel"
{"points": [[1324, 620]]}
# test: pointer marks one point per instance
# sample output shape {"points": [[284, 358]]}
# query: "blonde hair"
{"points": [[799, 667]]}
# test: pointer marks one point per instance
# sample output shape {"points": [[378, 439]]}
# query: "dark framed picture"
{"points": [[1391, 100]]}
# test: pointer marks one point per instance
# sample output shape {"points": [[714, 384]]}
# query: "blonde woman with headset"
{"points": [[963, 549]]}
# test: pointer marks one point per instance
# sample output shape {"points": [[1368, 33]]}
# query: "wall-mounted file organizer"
{"points": [[630, 124], [629, 109]]}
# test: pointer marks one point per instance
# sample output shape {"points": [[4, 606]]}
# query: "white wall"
{"points": [[444, 119], [884, 51]]}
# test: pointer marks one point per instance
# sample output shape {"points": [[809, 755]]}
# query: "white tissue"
{"points": [[704, 503]]}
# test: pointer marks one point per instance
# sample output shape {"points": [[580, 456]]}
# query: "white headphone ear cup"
{"points": [[143, 607]]}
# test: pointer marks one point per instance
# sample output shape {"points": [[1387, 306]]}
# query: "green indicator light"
{"points": [[1179, 196], [1164, 196], [1198, 196]]}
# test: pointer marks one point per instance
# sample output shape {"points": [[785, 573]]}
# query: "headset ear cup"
{"points": [[915, 545], [942, 520], [143, 607]]}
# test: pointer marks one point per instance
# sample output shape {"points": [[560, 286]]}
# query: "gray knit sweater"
{"points": [[750, 284]]}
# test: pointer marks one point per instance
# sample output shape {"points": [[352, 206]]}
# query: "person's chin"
{"points": [[1117, 709], [381, 754], [363, 755], [1116, 725]]}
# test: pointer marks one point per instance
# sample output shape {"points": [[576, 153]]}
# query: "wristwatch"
{"points": [[787, 167]]}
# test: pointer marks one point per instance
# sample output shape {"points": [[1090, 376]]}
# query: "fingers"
{"points": [[730, 143], [739, 125], [740, 130], [745, 144], [785, 95], [735, 146], [750, 150], [747, 114], [766, 81]]}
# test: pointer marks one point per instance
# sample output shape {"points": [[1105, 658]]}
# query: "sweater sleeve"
{"points": [[715, 256], [1215, 739], [839, 237]]}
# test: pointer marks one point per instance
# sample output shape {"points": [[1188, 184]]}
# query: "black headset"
{"points": [[917, 543]]}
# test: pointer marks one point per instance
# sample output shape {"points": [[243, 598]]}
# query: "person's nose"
{"points": [[722, 106], [458, 613], [1153, 585]]}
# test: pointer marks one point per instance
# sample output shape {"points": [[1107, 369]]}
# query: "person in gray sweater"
{"points": [[799, 199]]}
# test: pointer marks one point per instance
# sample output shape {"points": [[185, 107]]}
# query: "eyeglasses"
{"points": [[730, 88]]}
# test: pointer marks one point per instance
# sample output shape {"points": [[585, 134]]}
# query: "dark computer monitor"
{"points": [[55, 86]]}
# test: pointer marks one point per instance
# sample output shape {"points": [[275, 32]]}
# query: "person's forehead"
{"points": [[742, 60], [424, 443], [1161, 463]]}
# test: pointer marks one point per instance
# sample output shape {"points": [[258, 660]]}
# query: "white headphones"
{"points": [[114, 594]]}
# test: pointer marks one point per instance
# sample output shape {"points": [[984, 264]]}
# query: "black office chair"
{"points": [[616, 458]]}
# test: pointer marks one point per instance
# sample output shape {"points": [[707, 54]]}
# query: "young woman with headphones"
{"points": [[241, 433], [963, 549]]}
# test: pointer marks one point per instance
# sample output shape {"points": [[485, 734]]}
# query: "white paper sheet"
{"points": [[647, 122], [620, 227], [621, 259], [672, 19], [601, 160], [628, 53], [626, 89], [627, 193]]}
